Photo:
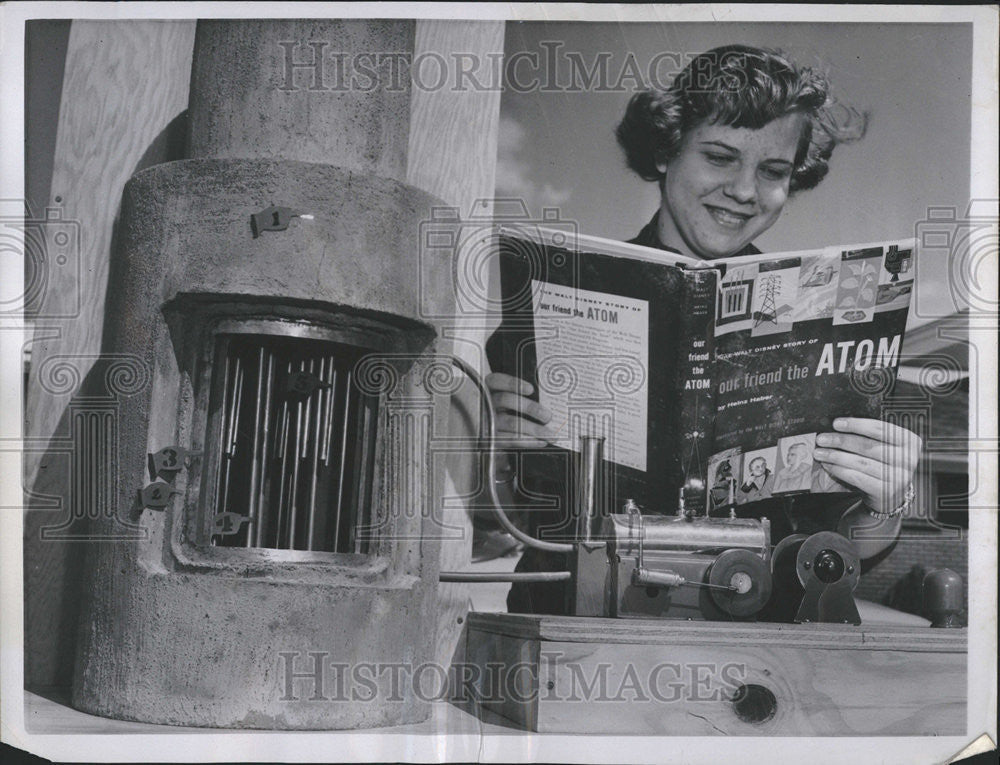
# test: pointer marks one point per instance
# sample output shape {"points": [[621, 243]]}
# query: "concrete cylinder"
{"points": [[330, 90], [174, 629]]}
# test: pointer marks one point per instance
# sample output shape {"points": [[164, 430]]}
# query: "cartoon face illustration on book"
{"points": [[723, 476], [758, 475], [795, 463]]}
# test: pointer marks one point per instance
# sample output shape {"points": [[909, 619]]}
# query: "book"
{"points": [[707, 380]]}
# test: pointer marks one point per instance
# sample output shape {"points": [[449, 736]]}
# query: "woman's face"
{"points": [[727, 186], [794, 456], [757, 466]]}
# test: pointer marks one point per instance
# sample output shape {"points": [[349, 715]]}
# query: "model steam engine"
{"points": [[685, 566]]}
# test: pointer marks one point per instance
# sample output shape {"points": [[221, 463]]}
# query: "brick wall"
{"points": [[890, 581]]}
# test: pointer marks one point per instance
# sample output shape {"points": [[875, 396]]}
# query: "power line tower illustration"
{"points": [[768, 311]]}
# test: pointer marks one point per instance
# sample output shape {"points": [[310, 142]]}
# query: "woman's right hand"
{"points": [[520, 422]]}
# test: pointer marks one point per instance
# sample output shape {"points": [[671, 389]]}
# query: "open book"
{"points": [[708, 380]]}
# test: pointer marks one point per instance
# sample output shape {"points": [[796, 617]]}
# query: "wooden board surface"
{"points": [[124, 84], [681, 678], [666, 631], [452, 154], [817, 691]]}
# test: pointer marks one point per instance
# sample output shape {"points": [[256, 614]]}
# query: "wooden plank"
{"points": [[689, 690], [452, 155], [124, 84], [506, 680], [671, 632], [685, 683]]}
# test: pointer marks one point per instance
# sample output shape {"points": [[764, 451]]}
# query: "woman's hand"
{"points": [[876, 458], [520, 422]]}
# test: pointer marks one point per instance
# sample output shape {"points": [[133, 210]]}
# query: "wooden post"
{"points": [[124, 86]]}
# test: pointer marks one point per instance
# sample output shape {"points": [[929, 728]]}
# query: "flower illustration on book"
{"points": [[857, 289]]}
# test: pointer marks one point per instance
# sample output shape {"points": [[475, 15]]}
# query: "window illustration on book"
{"points": [[710, 381]]}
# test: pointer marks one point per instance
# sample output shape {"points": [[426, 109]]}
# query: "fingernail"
{"points": [[527, 388], [821, 454], [840, 422], [823, 439]]}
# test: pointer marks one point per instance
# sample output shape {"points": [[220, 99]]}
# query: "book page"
{"points": [[593, 352]]}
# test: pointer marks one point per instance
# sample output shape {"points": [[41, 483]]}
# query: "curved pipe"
{"points": [[514, 531], [517, 576]]}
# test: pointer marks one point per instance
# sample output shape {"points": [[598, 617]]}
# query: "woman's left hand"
{"points": [[876, 458]]}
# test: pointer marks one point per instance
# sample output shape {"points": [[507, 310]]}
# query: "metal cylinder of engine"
{"points": [[685, 534]]}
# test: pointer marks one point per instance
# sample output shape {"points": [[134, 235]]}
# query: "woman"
{"points": [[738, 132]]}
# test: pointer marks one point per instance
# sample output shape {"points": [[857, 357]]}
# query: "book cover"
{"points": [[708, 382]]}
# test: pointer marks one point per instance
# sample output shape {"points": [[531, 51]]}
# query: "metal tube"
{"points": [[343, 459], [589, 504], [314, 433], [329, 400], [306, 416], [645, 577], [509, 527], [232, 431], [282, 437], [255, 471], [262, 500], [296, 456], [485, 576], [366, 470], [669, 532]]}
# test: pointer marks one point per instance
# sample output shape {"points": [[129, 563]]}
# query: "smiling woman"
{"points": [[726, 186], [738, 132]]}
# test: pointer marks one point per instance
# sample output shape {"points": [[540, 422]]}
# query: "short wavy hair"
{"points": [[741, 87]]}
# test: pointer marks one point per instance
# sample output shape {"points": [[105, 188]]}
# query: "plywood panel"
{"points": [[505, 681], [673, 631], [452, 154], [124, 84], [689, 690], [680, 678]]}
